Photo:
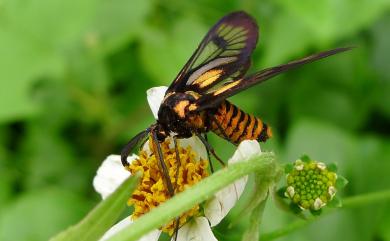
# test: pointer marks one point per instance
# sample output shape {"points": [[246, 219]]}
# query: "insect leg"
{"points": [[210, 148], [177, 223], [178, 163], [164, 168], [208, 155]]}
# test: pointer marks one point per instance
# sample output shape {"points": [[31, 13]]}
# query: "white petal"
{"points": [[152, 236], [196, 145], [110, 175], [332, 191], [321, 165], [245, 151], [290, 191], [219, 206], [155, 96], [298, 165], [196, 230], [318, 203]]}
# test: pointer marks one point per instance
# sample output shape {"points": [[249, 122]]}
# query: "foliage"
{"points": [[74, 75]]}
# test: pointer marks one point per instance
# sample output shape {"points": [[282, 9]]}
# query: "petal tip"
{"points": [[155, 96]]}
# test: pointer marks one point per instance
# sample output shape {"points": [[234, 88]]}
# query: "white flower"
{"points": [[111, 174]]}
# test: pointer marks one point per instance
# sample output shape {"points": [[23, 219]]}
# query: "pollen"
{"points": [[152, 190]]}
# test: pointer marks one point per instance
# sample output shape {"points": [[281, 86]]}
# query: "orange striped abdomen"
{"points": [[235, 125]]}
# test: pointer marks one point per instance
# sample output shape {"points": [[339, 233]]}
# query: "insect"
{"points": [[195, 103]]}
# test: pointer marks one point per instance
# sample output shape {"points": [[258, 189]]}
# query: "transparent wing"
{"points": [[214, 97], [223, 54]]}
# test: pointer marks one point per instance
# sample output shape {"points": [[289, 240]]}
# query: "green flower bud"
{"points": [[310, 184]]}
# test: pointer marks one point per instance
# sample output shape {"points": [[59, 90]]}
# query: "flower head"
{"points": [[310, 184], [152, 191]]}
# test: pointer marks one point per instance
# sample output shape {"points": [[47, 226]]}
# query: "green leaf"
{"points": [[252, 232], [42, 145], [126, 20], [341, 182], [305, 158], [316, 212], [335, 203], [200, 192], [35, 42], [332, 167], [32, 40], [102, 217], [294, 208], [264, 182], [288, 168], [39, 214], [281, 192], [321, 140], [323, 18], [276, 50], [160, 59]]}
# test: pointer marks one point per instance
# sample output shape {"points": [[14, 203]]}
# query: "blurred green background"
{"points": [[73, 76]]}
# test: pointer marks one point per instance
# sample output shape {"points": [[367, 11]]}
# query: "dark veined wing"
{"points": [[223, 54], [215, 97], [137, 141]]}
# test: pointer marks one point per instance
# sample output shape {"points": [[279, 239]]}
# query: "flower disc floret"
{"points": [[152, 190], [310, 184]]}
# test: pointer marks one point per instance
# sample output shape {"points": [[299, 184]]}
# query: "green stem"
{"points": [[350, 202], [369, 198], [198, 193]]}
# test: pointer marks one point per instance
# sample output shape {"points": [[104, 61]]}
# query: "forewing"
{"points": [[215, 97], [223, 54]]}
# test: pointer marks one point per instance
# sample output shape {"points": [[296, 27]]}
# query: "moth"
{"points": [[195, 102]]}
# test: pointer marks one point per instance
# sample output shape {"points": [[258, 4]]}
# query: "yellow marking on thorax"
{"points": [[180, 108], [193, 107], [208, 77], [226, 87]]}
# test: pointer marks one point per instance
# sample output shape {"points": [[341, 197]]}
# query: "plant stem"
{"points": [[350, 202], [368, 198]]}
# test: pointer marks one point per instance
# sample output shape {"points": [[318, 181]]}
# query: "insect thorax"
{"points": [[175, 114]]}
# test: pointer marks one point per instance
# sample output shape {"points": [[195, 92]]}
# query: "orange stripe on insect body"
{"points": [[249, 130], [259, 128], [233, 122], [240, 128]]}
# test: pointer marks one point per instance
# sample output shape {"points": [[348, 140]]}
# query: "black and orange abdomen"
{"points": [[235, 125]]}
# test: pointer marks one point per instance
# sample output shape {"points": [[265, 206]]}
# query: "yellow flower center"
{"points": [[152, 190]]}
